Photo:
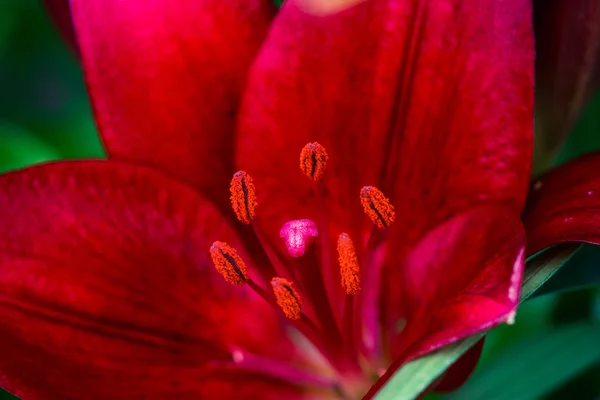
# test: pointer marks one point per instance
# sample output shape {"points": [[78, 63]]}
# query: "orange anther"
{"points": [[243, 197], [313, 159], [229, 263], [377, 206], [287, 298], [348, 264]]}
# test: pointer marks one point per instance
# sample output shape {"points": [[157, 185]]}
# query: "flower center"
{"points": [[344, 332]]}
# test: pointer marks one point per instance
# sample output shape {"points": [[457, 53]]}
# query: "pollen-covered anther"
{"points": [[377, 206], [298, 234], [243, 197], [229, 263], [287, 298], [349, 268], [313, 160]]}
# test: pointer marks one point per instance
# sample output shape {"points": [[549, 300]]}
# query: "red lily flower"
{"points": [[108, 269]]}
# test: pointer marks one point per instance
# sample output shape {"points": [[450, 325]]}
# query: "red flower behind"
{"points": [[567, 69], [106, 270]]}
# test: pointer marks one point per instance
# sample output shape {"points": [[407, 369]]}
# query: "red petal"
{"points": [[61, 14], [106, 277], [420, 98], [564, 205], [463, 277], [567, 68], [165, 79]]}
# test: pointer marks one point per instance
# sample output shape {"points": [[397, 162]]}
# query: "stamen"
{"points": [[377, 207], [349, 267], [243, 197], [313, 159], [287, 298], [229, 263], [298, 234]]}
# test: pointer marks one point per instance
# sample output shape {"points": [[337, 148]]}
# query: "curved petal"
{"points": [[420, 98], [165, 80], [567, 68], [106, 276], [564, 205], [463, 277]]}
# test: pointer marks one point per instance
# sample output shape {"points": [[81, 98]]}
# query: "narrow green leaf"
{"points": [[543, 266], [536, 365], [414, 377]]}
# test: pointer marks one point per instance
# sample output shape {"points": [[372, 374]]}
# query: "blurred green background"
{"points": [[45, 115]]}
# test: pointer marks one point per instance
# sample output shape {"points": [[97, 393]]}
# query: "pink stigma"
{"points": [[298, 233]]}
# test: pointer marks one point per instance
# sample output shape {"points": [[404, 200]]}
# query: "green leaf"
{"points": [[413, 378], [536, 365], [416, 376], [542, 266], [20, 148]]}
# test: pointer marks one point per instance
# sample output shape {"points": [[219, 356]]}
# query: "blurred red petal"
{"points": [[61, 15], [107, 286], [567, 67], [463, 277], [165, 80], [564, 205]]}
